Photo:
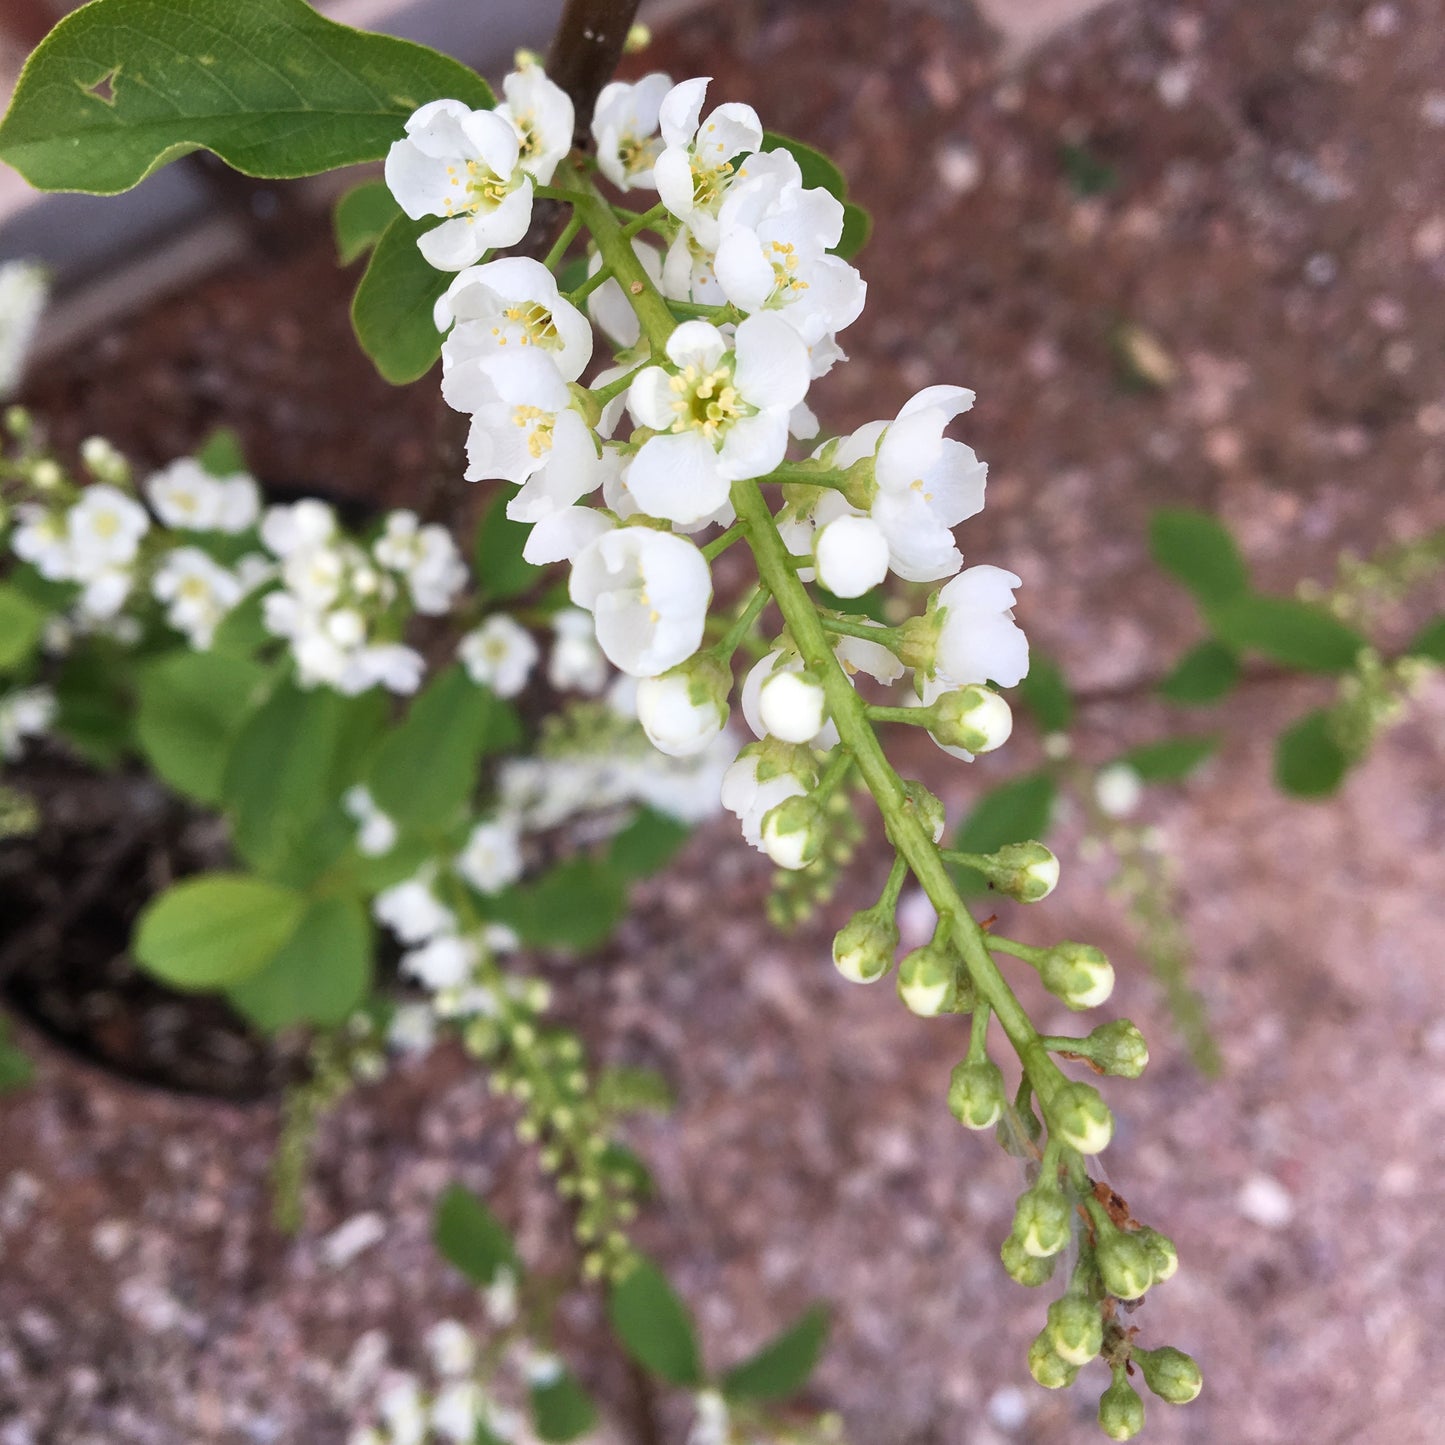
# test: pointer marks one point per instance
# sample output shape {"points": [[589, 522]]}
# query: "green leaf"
{"points": [[320, 975], [626, 1090], [562, 1409], [425, 770], [781, 1368], [654, 1325], [857, 228], [624, 1164], [1198, 551], [391, 312], [575, 906], [242, 632], [360, 216], [191, 705], [646, 844], [817, 169], [1014, 812], [1308, 762], [872, 604], [1288, 631], [1046, 694], [16, 1070], [471, 1238], [1172, 759], [94, 708], [21, 623], [214, 930], [122, 87], [221, 453], [1205, 674], [497, 554], [1429, 641], [279, 778]]}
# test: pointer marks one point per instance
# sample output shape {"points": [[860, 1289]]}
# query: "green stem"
{"points": [[913, 716], [596, 279], [808, 474], [646, 221], [721, 543], [890, 637], [559, 247], [744, 623]]}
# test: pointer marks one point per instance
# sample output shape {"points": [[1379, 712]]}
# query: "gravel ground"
{"points": [[1266, 210]]}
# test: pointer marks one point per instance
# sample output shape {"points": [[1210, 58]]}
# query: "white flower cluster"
{"points": [[25, 712], [751, 247]]}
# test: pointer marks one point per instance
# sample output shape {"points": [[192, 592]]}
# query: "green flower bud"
{"points": [[1121, 1411], [1042, 1220], [1163, 1257], [1078, 974], [794, 833], [1170, 1373], [1075, 1329], [1024, 1268], [1026, 872], [929, 807], [1081, 1118], [863, 948], [1124, 1265], [1047, 1367], [976, 1094], [974, 718], [926, 979], [1118, 1048], [918, 640]]}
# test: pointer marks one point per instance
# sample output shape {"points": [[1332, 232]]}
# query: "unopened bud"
{"points": [[639, 37], [929, 808], [863, 948], [794, 833], [1081, 1118], [1047, 1366], [685, 709], [1024, 1268], [918, 641], [1124, 1265], [1170, 1373], [1027, 872], [1078, 974], [974, 718], [46, 475], [976, 1096], [1163, 1257], [1118, 1048], [1041, 1222], [1121, 1411], [926, 980], [1075, 1329], [17, 422], [851, 555], [792, 706], [103, 461]]}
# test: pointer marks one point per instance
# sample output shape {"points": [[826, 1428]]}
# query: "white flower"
{"points": [[42, 540], [464, 165], [457, 1411], [541, 113], [1118, 790], [571, 470], [492, 858], [451, 1349], [857, 654], [299, 527], [851, 554], [198, 593], [751, 800], [773, 251], [377, 835], [500, 1297], [576, 663], [723, 416], [412, 912], [25, 713], [512, 302], [413, 1028], [426, 557], [402, 1409], [391, 665], [694, 169], [23, 290], [186, 496], [927, 484], [687, 272], [711, 1425], [648, 593], [500, 654], [446, 961], [514, 408], [103, 596], [104, 529], [684, 710], [792, 707], [624, 125], [978, 640]]}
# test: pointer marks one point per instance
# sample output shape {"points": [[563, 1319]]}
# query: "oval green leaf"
{"points": [[1205, 674], [654, 1325], [391, 312], [1308, 762], [1198, 551], [781, 1368], [471, 1238], [1288, 631]]}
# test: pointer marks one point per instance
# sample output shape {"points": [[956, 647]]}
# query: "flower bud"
{"points": [[863, 948], [1121, 1411], [974, 718], [1024, 1268], [1118, 1048], [1170, 1373], [685, 709], [1075, 1329], [792, 706], [918, 643], [1118, 790], [929, 807], [851, 555], [1163, 1257], [1081, 1118], [1023, 871], [1041, 1221], [926, 980], [794, 833], [1124, 1264], [976, 1096], [1049, 1368], [1078, 974]]}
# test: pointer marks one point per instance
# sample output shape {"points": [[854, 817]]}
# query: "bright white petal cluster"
{"points": [[187, 497], [500, 654]]}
